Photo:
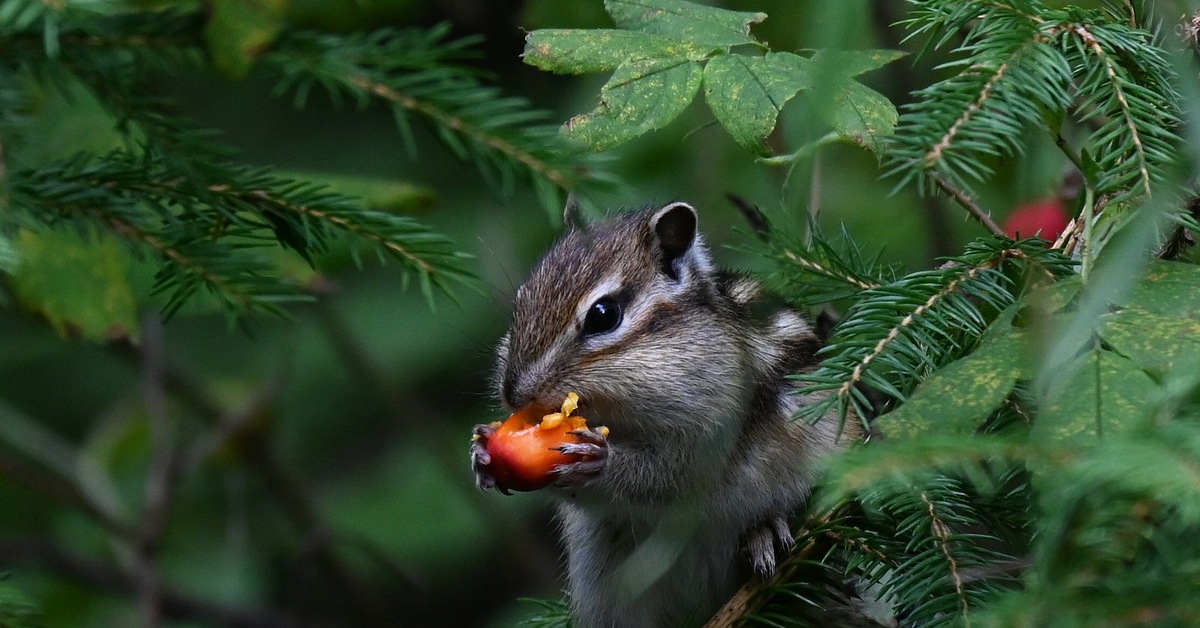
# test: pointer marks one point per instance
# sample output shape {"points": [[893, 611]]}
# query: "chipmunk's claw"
{"points": [[481, 458], [592, 447], [761, 542]]}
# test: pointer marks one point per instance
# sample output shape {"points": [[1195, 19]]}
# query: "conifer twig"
{"points": [[1126, 111], [973, 208], [462, 126]]}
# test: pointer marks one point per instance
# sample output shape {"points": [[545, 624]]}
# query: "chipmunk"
{"points": [[666, 516]]}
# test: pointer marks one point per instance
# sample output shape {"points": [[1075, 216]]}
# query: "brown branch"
{"points": [[973, 208]]}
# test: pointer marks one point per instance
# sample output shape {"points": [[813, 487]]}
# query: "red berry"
{"points": [[1045, 218]]}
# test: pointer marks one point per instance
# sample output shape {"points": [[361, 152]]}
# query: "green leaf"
{"points": [[576, 51], [1159, 342], [860, 115], [850, 63], [641, 96], [693, 23], [240, 30], [1108, 394], [957, 398], [1169, 288], [80, 286], [747, 93]]}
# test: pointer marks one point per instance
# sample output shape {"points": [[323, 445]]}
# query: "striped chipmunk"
{"points": [[689, 490]]}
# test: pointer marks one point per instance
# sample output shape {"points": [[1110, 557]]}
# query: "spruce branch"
{"points": [[1021, 64], [897, 333], [822, 270], [416, 72], [942, 532]]}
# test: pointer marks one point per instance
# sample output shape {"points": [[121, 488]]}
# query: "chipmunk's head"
{"points": [[622, 312]]}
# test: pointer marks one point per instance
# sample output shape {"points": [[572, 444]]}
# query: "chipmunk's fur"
{"points": [[692, 487]]}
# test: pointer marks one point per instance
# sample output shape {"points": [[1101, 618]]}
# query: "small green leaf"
{"points": [[80, 286], [1107, 395], [860, 114], [850, 63], [747, 93], [957, 398], [1159, 342], [704, 26], [641, 96], [577, 51], [240, 30]]}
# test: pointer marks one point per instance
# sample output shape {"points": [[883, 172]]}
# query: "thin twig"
{"points": [[159, 484], [968, 203]]}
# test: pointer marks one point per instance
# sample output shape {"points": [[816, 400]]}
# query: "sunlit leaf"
{"points": [[860, 115], [957, 398], [1154, 341], [575, 51], [80, 286], [1107, 395], [240, 30], [851, 63], [641, 96], [685, 21], [747, 93], [1169, 288]]}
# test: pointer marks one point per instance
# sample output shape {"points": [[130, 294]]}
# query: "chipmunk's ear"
{"points": [[675, 231], [573, 217]]}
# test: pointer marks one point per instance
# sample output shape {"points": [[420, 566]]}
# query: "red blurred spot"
{"points": [[1045, 218]]}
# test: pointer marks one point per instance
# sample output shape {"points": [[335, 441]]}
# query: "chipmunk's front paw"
{"points": [[481, 459], [591, 446], [761, 542]]}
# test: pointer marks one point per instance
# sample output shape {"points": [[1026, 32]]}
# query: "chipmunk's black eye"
{"points": [[603, 316]]}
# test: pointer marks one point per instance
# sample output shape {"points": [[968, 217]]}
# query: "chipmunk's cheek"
{"points": [[525, 449]]}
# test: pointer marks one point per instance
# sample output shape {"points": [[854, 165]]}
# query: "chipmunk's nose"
{"points": [[512, 393]]}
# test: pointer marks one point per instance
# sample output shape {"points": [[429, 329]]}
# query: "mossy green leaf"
{"points": [[1107, 394], [578, 51], [240, 30], [80, 285], [960, 396], [1158, 342], [640, 97], [860, 115], [704, 26], [747, 93], [1169, 288], [850, 63]]}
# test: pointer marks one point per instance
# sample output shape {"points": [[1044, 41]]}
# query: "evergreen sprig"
{"points": [[203, 232], [896, 334], [1022, 65], [420, 74], [823, 270], [176, 192]]}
